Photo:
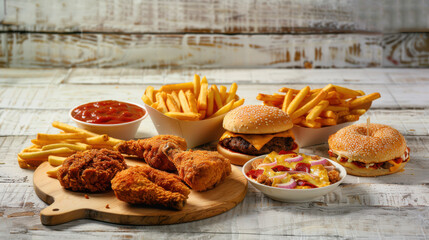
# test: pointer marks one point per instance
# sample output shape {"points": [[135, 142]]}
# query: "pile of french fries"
{"points": [[316, 108], [55, 148], [194, 100]]}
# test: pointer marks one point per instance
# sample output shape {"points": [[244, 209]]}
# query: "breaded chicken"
{"points": [[149, 150], [201, 170], [149, 186], [90, 171]]}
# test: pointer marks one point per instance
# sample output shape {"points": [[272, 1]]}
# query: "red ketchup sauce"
{"points": [[108, 112]]}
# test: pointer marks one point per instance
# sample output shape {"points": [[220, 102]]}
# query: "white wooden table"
{"points": [[395, 206]]}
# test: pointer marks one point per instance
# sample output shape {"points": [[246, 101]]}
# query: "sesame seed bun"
{"points": [[257, 119], [383, 144]]}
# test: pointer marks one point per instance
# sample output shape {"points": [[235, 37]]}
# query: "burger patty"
{"points": [[238, 144]]}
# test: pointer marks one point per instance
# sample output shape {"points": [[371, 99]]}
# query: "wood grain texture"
{"points": [[409, 50], [189, 50], [208, 16], [391, 207]]}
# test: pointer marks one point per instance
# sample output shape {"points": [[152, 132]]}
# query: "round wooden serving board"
{"points": [[67, 206]]}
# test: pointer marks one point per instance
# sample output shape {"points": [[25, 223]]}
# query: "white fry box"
{"points": [[194, 132], [311, 136]]}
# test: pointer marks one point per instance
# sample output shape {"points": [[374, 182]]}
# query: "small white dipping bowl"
{"points": [[124, 131], [293, 195]]}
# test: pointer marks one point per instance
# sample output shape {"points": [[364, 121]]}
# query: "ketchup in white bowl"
{"points": [[114, 118], [107, 112]]}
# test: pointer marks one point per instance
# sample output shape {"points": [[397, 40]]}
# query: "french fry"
{"points": [[217, 97], [336, 108], [311, 124], [202, 114], [161, 103], [223, 95], [274, 99], [347, 92], [210, 102], [197, 84], [349, 118], [317, 110], [237, 103], [55, 160], [190, 116], [322, 94], [232, 92], [328, 114], [226, 108], [147, 100], [45, 153], [184, 102], [358, 111], [202, 98], [171, 104], [75, 147], [297, 100], [48, 137], [53, 172], [176, 99], [365, 99], [327, 121], [287, 100], [177, 87], [149, 93], [285, 90], [103, 140], [192, 101], [297, 120]]}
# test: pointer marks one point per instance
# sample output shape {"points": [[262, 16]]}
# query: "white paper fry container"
{"points": [[194, 132], [312, 136]]}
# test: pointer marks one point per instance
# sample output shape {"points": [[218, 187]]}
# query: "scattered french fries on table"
{"points": [[55, 148]]}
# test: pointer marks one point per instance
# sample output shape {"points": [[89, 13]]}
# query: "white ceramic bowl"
{"points": [[293, 195], [124, 131], [311, 136]]}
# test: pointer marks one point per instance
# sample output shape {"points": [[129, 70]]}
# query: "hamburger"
{"points": [[254, 130], [369, 151]]}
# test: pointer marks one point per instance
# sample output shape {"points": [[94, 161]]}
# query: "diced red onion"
{"points": [[295, 159], [329, 168], [281, 176], [322, 161], [268, 164], [289, 185]]}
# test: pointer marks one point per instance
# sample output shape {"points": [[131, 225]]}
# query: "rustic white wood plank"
{"points": [[195, 16], [192, 50]]}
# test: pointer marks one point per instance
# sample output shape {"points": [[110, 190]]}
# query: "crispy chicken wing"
{"points": [[201, 170], [150, 150], [149, 186]]}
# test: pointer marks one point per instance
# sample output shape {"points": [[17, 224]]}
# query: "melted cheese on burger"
{"points": [[258, 140]]}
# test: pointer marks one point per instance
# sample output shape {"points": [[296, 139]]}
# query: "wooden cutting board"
{"points": [[67, 206]]}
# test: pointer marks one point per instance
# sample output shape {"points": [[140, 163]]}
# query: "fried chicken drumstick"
{"points": [[149, 186], [150, 150], [201, 170]]}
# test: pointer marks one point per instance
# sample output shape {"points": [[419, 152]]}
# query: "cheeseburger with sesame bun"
{"points": [[254, 130], [369, 150]]}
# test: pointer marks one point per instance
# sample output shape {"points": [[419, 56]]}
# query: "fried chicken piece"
{"points": [[149, 150], [201, 170], [149, 186], [91, 170]]}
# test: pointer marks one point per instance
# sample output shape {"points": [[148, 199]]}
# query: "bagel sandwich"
{"points": [[379, 150]]}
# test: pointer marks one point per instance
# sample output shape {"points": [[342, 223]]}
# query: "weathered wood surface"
{"points": [[189, 50], [394, 207], [208, 16]]}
